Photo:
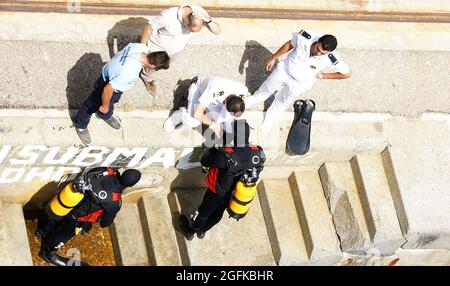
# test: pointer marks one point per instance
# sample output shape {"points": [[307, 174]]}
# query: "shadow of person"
{"points": [[253, 61], [35, 208], [125, 32], [80, 80]]}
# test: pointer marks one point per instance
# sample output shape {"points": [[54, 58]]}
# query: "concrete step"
{"points": [[244, 242], [376, 200], [128, 238], [319, 234], [5, 257], [282, 222], [420, 185], [158, 230], [14, 246], [345, 206]]}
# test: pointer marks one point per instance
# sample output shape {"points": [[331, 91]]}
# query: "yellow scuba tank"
{"points": [[240, 200], [68, 198]]}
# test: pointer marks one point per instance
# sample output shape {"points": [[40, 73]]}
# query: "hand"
{"points": [[270, 63], [200, 15], [103, 109]]}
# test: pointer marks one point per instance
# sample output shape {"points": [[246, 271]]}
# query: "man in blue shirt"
{"points": [[118, 76]]}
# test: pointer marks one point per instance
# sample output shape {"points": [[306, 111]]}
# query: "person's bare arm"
{"points": [[200, 115], [107, 94], [336, 75], [145, 36], [281, 51]]}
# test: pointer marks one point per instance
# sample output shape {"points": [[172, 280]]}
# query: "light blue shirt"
{"points": [[123, 69]]}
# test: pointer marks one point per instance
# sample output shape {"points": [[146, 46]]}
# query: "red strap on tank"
{"points": [[111, 172], [211, 179], [229, 150], [116, 197], [92, 217]]}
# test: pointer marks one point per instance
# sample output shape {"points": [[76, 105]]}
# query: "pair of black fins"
{"points": [[299, 136]]}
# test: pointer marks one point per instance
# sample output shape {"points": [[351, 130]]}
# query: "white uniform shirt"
{"points": [[123, 69], [213, 92], [215, 89], [304, 68], [168, 31]]}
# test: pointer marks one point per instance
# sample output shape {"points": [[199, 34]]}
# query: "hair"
{"points": [[235, 105], [195, 24], [329, 42], [160, 60]]}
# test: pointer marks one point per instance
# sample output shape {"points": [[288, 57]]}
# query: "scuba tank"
{"points": [[243, 194], [72, 194]]}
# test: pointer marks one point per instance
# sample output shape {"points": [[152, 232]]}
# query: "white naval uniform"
{"points": [[169, 33], [211, 92], [296, 74]]}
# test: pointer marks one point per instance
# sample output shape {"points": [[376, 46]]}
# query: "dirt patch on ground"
{"points": [[95, 247]]}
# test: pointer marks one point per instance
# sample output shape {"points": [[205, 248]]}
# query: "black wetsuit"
{"points": [[55, 233], [226, 166]]}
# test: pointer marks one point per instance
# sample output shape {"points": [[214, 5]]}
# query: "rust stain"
{"points": [[393, 262]]}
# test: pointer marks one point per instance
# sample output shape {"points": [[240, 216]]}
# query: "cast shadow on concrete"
{"points": [[80, 80], [253, 61], [125, 32], [35, 208]]}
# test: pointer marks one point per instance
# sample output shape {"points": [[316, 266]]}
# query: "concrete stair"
{"points": [[243, 242], [14, 246], [376, 199], [318, 230], [143, 234], [345, 206], [307, 217]]}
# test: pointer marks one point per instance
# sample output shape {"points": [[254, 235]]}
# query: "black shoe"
{"points": [[201, 234], [55, 259], [186, 228]]}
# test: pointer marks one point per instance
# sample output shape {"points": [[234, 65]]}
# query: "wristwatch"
{"points": [[210, 20]]}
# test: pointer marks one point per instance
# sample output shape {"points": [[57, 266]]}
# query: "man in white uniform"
{"points": [[310, 57], [213, 101], [118, 76], [171, 31]]}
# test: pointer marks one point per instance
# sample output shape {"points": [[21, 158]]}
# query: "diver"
{"points": [[94, 196], [227, 167]]}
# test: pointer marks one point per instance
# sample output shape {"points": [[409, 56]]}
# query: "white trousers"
{"points": [[288, 88]]}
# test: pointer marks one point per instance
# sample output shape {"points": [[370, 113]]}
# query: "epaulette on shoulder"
{"points": [[333, 59], [305, 34]]}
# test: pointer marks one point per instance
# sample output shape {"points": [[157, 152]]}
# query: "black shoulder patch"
{"points": [[333, 59], [305, 34]]}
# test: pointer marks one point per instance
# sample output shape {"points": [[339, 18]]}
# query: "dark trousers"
{"points": [[93, 103], [210, 212], [58, 233]]}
